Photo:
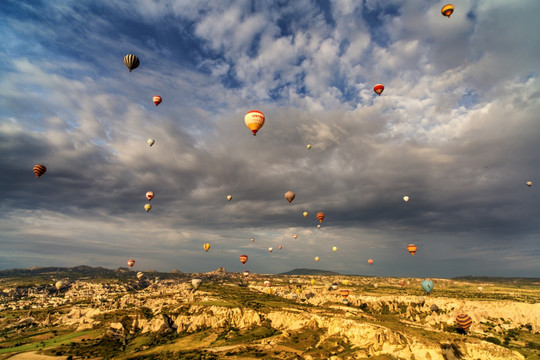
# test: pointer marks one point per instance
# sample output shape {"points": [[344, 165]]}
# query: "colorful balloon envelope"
{"points": [[334, 286], [378, 89], [140, 275], [243, 259], [147, 207], [427, 286], [308, 146], [252, 239], [280, 247], [206, 247], [39, 170], [254, 121], [447, 10], [529, 183], [317, 258], [196, 283], [151, 142], [370, 261], [267, 283], [246, 273], [157, 99], [405, 198], [131, 61], [150, 195], [318, 226], [320, 216], [289, 195], [305, 213], [412, 249], [312, 281], [402, 283], [344, 293], [229, 197], [345, 301], [130, 263], [59, 285], [295, 236], [464, 321], [270, 249], [334, 248]]}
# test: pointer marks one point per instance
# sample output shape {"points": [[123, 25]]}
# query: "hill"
{"points": [[303, 271]]}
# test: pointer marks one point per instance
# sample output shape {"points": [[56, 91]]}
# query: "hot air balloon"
{"points": [[317, 258], [378, 89], [402, 283], [270, 291], [140, 275], [196, 283], [464, 321], [252, 239], [151, 142], [312, 281], [305, 213], [370, 261], [243, 259], [529, 183], [412, 249], [405, 198], [334, 248], [308, 146], [254, 121], [130, 263], [229, 197], [334, 286], [434, 308], [280, 247], [58, 285], [157, 99], [480, 288], [246, 273], [266, 283], [427, 286], [344, 293], [270, 249], [289, 195], [295, 236], [132, 62], [447, 10], [345, 301], [147, 207], [150, 195], [320, 216], [206, 247], [39, 170], [345, 282], [318, 226]]}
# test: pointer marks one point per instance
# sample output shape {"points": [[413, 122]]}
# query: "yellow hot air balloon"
{"points": [[147, 207], [308, 146], [229, 197], [447, 10], [289, 195], [312, 281], [206, 247], [318, 226], [305, 213], [334, 248], [345, 282], [254, 121], [317, 258]]}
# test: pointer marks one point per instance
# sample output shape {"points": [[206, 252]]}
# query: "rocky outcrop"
{"points": [[216, 317]]}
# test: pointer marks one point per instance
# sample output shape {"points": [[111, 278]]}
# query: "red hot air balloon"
{"points": [[370, 261], [320, 216], [464, 321], [344, 293], [130, 263], [157, 99], [412, 249], [39, 170], [378, 89], [243, 259]]}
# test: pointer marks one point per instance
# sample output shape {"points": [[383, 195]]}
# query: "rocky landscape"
{"points": [[230, 316]]}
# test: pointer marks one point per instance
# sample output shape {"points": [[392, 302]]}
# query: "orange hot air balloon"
{"points": [[280, 247], [320, 216], [344, 293], [370, 261], [254, 120], [378, 89], [295, 236], [130, 263], [150, 195], [39, 170], [206, 247], [252, 239], [243, 259], [447, 10], [270, 249], [157, 99], [412, 249], [305, 213], [464, 321], [289, 195]]}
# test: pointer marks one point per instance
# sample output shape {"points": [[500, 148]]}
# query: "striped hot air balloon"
{"points": [[447, 10], [131, 61], [378, 89], [320, 216], [140, 275], [464, 321], [412, 249], [254, 120], [130, 263], [246, 273], [157, 99], [39, 170], [243, 259], [344, 293]]}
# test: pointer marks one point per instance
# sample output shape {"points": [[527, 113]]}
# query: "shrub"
{"points": [[494, 340]]}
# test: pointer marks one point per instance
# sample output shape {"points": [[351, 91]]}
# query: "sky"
{"points": [[456, 129]]}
